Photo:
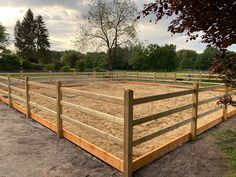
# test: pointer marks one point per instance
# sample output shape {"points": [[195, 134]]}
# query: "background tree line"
{"points": [[117, 33]]}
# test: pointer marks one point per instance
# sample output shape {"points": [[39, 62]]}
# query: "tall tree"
{"points": [[186, 58], [42, 41], [25, 37], [205, 60], [31, 37], [4, 37], [110, 24]]}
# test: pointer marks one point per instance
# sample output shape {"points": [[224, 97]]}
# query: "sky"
{"points": [[62, 16]]}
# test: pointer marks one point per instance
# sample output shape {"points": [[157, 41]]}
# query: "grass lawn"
{"points": [[227, 144]]}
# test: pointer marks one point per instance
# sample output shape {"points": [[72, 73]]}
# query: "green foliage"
{"points": [[36, 67], [81, 65], [4, 37], [9, 62], [95, 59], [187, 59], [49, 67], [70, 57], [154, 58], [227, 143], [31, 38], [205, 60], [26, 65], [66, 68]]}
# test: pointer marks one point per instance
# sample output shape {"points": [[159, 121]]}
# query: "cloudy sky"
{"points": [[61, 19]]}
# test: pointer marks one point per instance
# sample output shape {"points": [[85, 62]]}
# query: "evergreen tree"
{"points": [[42, 42], [31, 37], [4, 37]]}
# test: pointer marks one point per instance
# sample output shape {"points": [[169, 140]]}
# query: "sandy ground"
{"points": [[117, 89], [29, 149]]}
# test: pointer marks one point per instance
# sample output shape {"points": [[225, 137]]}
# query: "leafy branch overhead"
{"points": [[216, 19]]}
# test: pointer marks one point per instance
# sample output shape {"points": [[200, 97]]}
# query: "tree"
{"points": [[138, 57], [205, 60], [9, 61], [31, 37], [108, 24], [216, 20], [70, 57], [42, 41], [193, 16], [186, 58], [4, 37]]}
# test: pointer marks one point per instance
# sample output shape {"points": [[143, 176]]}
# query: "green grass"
{"points": [[227, 144]]}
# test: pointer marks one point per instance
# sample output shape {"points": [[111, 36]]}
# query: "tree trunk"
{"points": [[110, 59]]}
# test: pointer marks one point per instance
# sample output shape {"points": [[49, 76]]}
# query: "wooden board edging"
{"points": [[87, 146], [157, 153]]}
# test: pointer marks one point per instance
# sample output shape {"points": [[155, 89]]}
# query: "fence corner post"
{"points": [[74, 75], [27, 98], [225, 109], [128, 133], [9, 91], [194, 111], [59, 109]]}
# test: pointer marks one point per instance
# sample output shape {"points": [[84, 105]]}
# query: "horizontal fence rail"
{"points": [[93, 112], [162, 114], [161, 97], [128, 102], [161, 132], [96, 96], [93, 130]]}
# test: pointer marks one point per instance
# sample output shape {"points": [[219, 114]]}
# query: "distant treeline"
{"points": [[34, 54], [150, 58]]}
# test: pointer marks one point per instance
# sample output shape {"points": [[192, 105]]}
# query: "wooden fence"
{"points": [[75, 77], [128, 165]]}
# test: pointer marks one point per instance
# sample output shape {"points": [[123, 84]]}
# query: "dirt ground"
{"points": [[117, 89], [29, 149]]}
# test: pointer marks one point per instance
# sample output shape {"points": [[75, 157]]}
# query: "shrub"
{"points": [[98, 69], [27, 65], [36, 66], [49, 67], [9, 63], [80, 65], [66, 69]]}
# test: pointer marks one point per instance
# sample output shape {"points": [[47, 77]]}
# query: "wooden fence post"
{"points": [[175, 76], [27, 98], [225, 109], [21, 74], [137, 76], [59, 109], [74, 76], [128, 133], [50, 77], [194, 111], [155, 76], [9, 91], [94, 74]]}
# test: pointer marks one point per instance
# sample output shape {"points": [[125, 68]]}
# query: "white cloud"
{"points": [[60, 17]]}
